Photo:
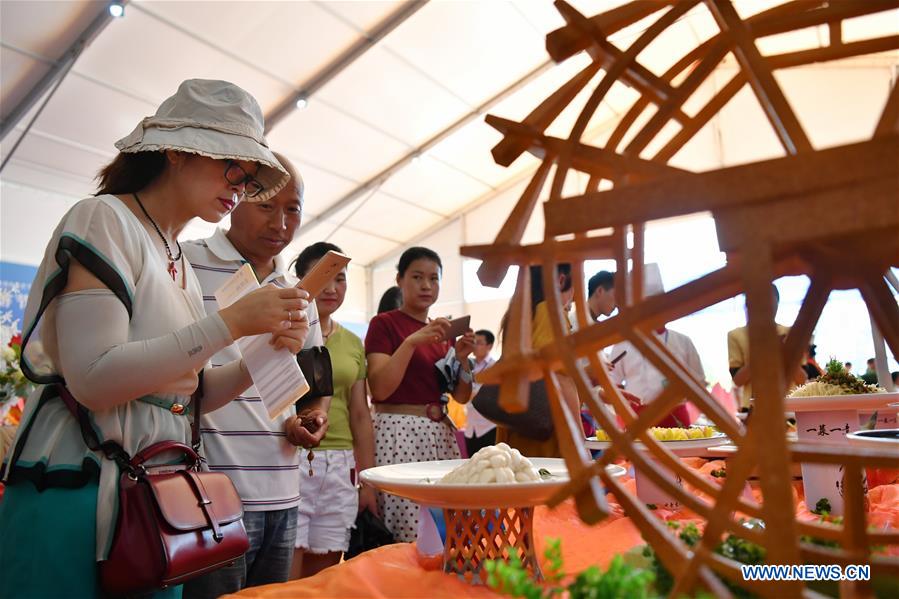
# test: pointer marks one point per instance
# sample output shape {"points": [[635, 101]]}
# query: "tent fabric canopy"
{"points": [[393, 147]]}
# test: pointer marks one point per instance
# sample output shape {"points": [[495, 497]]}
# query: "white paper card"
{"points": [[238, 285], [275, 372]]}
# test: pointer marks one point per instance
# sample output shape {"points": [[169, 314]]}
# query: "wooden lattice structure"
{"points": [[476, 536], [854, 192]]}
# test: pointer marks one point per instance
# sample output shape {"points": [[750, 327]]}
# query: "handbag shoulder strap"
{"points": [[113, 450], [110, 449], [195, 403]]}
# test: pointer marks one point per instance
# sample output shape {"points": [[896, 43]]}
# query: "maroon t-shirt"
{"points": [[386, 333]]}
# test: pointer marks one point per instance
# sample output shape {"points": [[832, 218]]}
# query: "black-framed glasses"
{"points": [[235, 175]]}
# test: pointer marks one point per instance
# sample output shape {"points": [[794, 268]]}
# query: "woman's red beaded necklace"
{"points": [[168, 251]]}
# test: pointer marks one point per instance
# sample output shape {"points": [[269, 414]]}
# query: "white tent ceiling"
{"points": [[419, 92]]}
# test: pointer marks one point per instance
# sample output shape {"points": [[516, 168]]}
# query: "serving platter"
{"points": [[718, 438], [420, 482], [834, 403]]}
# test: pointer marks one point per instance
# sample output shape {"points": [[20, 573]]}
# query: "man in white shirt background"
{"points": [[480, 432], [601, 294], [637, 374]]}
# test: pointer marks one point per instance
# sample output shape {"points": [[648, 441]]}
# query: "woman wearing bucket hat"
{"points": [[116, 315]]}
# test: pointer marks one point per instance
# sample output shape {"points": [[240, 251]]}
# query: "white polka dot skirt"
{"points": [[401, 439]]}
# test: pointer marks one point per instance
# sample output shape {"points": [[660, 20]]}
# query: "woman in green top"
{"points": [[329, 501]]}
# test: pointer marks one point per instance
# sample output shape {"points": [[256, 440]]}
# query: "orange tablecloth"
{"points": [[395, 570]]}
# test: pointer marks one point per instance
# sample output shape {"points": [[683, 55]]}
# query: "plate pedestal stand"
{"points": [[474, 536]]}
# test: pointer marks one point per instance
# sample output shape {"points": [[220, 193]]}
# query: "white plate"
{"points": [[877, 439], [718, 438], [859, 401], [420, 482], [729, 448]]}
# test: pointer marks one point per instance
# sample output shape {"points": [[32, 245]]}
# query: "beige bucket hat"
{"points": [[211, 118]]}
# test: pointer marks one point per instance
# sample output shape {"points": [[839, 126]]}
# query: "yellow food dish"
{"points": [[672, 434]]}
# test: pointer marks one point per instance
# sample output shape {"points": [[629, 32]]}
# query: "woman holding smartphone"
{"points": [[402, 347]]}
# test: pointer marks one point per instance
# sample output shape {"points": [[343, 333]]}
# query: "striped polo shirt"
{"points": [[239, 439]]}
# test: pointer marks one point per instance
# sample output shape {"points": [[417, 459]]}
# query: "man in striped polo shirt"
{"points": [[257, 453]]}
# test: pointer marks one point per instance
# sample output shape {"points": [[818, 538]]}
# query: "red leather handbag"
{"points": [[171, 526]]}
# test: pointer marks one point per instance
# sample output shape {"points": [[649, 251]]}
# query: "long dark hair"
{"points": [[537, 294], [312, 253], [391, 300], [128, 173], [417, 253]]}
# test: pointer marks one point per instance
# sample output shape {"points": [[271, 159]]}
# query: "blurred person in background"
{"points": [[480, 432], [870, 375], [392, 299], [601, 294]]}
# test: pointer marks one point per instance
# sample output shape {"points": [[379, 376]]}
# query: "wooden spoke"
{"points": [[769, 386], [738, 470], [884, 309], [492, 270], [590, 500], [889, 118], [582, 248], [800, 14], [684, 382], [510, 148], [852, 191], [514, 389], [608, 56], [597, 162], [835, 32], [680, 194], [828, 53], [769, 94], [804, 326], [700, 73], [566, 42], [691, 128]]}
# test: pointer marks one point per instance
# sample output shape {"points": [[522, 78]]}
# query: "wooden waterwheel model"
{"points": [[852, 189]]}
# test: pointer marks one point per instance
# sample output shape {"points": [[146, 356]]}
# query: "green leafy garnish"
{"points": [[822, 508], [733, 547], [719, 473], [835, 374], [621, 579], [544, 473], [824, 517]]}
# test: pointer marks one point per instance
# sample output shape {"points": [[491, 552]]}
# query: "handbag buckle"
{"points": [[136, 472]]}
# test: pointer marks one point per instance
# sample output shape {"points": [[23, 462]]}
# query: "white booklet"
{"points": [[275, 372]]}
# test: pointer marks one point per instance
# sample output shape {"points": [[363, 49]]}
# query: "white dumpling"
{"points": [[505, 475], [500, 460], [487, 476], [525, 476], [494, 464]]}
